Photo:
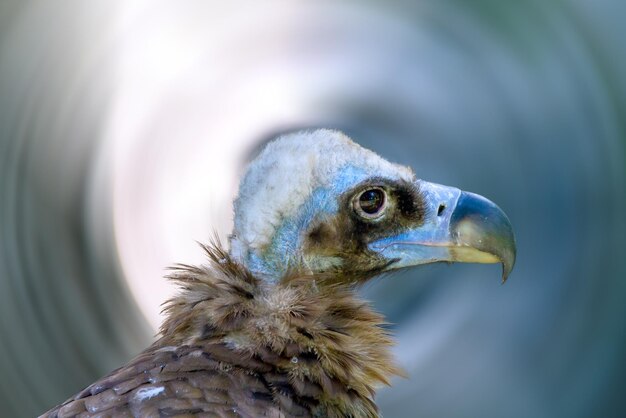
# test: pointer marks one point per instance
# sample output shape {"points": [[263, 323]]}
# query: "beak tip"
{"points": [[508, 262], [505, 275]]}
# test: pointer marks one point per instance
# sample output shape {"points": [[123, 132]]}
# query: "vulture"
{"points": [[273, 326]]}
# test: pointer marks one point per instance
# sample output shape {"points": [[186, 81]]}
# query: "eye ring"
{"points": [[371, 203]]}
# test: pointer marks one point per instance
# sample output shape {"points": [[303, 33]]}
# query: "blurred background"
{"points": [[124, 126]]}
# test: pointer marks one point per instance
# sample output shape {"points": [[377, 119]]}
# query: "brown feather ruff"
{"points": [[233, 345], [309, 328]]}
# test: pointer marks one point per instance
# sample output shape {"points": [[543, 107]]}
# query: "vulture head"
{"points": [[273, 327], [316, 202]]}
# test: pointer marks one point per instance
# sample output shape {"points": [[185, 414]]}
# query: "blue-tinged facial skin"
{"points": [[459, 227], [284, 251], [455, 226], [426, 243]]}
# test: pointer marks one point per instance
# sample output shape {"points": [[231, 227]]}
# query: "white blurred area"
{"points": [[181, 126]]}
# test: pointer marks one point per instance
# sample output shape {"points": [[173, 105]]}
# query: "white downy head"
{"points": [[295, 177]]}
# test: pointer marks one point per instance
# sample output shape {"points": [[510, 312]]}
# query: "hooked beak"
{"points": [[459, 227]]}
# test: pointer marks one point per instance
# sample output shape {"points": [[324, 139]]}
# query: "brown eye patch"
{"points": [[405, 209], [395, 206], [410, 201], [402, 202]]}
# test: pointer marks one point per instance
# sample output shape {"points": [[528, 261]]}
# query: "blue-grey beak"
{"points": [[459, 227]]}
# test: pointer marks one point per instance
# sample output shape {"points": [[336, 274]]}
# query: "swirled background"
{"points": [[124, 126]]}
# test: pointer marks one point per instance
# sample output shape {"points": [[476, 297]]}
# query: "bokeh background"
{"points": [[124, 126]]}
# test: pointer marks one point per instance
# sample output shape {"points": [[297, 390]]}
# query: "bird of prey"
{"points": [[272, 327]]}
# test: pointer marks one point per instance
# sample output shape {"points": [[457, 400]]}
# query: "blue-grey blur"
{"points": [[523, 102]]}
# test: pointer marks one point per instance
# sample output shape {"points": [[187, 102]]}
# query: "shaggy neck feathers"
{"points": [[329, 347]]}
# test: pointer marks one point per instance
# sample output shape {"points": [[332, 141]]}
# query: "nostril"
{"points": [[441, 209]]}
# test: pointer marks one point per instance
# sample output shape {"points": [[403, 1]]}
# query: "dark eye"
{"points": [[371, 203]]}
